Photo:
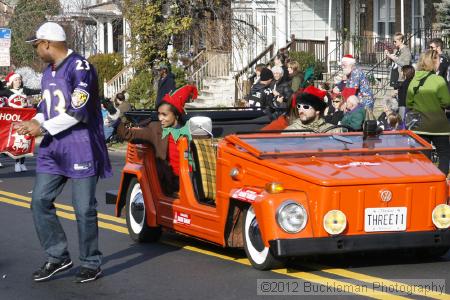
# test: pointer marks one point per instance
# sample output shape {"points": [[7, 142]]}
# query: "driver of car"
{"points": [[311, 106]]}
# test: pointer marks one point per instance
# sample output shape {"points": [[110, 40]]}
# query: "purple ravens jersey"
{"points": [[79, 151]]}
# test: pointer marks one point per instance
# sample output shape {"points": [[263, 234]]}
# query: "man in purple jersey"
{"points": [[73, 147]]}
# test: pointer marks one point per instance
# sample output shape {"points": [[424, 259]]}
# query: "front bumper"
{"points": [[355, 243]]}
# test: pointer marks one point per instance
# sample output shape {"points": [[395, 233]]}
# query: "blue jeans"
{"points": [[49, 230], [108, 131]]}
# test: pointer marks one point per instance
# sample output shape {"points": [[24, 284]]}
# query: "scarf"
{"points": [[176, 134]]}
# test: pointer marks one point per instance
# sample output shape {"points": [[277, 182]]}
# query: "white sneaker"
{"points": [[23, 167], [17, 167], [1, 165]]}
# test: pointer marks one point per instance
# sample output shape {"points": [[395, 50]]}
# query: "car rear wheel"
{"points": [[260, 257], [135, 215]]}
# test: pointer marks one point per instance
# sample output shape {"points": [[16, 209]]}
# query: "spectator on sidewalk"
{"points": [[400, 58], [408, 72], [281, 91], [279, 61], [390, 119], [258, 69], [261, 93], [166, 83], [428, 96], [295, 75], [122, 104], [444, 62]]}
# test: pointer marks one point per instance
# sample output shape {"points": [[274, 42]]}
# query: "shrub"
{"points": [[143, 87], [306, 60], [140, 90], [107, 66], [180, 76]]}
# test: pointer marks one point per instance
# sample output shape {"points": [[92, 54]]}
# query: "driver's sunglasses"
{"points": [[304, 106]]}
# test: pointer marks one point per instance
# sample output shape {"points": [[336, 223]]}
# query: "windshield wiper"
{"points": [[342, 139]]}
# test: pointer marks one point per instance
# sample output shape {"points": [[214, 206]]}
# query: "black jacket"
{"points": [[284, 88], [402, 92], [260, 95], [444, 63], [165, 85]]}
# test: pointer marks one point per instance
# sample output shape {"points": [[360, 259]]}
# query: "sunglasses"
{"points": [[336, 101], [304, 106]]}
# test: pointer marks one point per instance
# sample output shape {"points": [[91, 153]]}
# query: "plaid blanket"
{"points": [[207, 153]]}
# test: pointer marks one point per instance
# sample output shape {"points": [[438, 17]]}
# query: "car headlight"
{"points": [[292, 217], [441, 216], [334, 222]]}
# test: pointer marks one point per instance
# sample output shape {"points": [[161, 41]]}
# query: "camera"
{"points": [[108, 105]]}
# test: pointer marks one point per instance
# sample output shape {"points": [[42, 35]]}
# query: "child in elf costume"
{"points": [[164, 135]]}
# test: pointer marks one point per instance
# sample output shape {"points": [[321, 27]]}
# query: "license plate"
{"points": [[385, 219]]}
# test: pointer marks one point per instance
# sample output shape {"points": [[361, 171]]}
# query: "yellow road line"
{"points": [[372, 279], [65, 207], [14, 202], [69, 216], [306, 276]]}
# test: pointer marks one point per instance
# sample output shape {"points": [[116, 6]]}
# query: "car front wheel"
{"points": [[260, 256], [136, 217]]}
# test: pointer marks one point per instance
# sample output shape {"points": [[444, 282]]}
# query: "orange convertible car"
{"points": [[285, 195]]}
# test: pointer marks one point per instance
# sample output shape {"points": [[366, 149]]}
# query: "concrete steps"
{"points": [[216, 92]]}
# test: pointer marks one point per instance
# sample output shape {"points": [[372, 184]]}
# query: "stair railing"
{"points": [[264, 57], [119, 82], [196, 62], [217, 64]]}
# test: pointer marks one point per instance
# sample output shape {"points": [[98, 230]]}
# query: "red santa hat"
{"points": [[312, 96], [347, 92], [348, 58], [10, 77], [179, 97]]}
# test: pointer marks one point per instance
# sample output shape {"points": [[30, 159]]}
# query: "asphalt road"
{"points": [[178, 267]]}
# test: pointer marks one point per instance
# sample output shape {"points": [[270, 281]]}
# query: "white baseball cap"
{"points": [[49, 31]]}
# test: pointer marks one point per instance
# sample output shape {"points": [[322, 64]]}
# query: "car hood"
{"points": [[360, 169]]}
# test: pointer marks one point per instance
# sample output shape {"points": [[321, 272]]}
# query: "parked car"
{"points": [[281, 195]]}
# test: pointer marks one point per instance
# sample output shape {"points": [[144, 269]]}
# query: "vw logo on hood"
{"points": [[385, 195]]}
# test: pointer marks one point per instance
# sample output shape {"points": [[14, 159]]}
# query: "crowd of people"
{"points": [[419, 92]]}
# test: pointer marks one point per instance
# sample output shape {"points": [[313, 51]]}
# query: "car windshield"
{"points": [[332, 143]]}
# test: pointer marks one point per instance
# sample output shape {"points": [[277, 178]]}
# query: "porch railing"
{"points": [[317, 47], [119, 82]]}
